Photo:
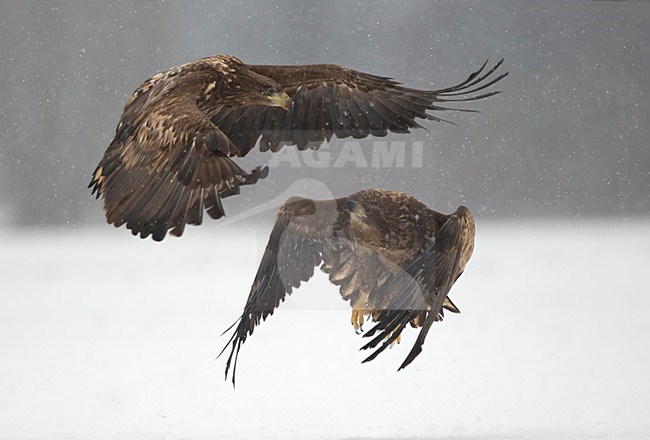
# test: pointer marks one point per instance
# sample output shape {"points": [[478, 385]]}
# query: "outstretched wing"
{"points": [[332, 100], [424, 285], [293, 251], [166, 164]]}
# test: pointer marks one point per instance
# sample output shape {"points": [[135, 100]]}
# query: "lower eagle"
{"points": [[392, 258], [171, 158]]}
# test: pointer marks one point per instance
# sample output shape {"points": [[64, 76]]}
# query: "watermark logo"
{"points": [[381, 154]]}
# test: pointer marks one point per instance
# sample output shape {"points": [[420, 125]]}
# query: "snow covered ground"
{"points": [[106, 336]]}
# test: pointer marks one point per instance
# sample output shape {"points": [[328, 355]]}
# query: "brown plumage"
{"points": [[170, 159], [392, 258]]}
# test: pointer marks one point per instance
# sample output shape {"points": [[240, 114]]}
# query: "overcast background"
{"points": [[568, 137], [103, 335]]}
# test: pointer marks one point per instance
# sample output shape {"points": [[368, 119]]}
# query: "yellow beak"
{"points": [[280, 99]]}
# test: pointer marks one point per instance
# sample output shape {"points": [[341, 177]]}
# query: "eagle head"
{"points": [[366, 215], [274, 98], [357, 210], [255, 89]]}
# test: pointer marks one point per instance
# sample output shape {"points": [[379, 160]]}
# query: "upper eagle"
{"points": [[393, 258], [171, 156]]}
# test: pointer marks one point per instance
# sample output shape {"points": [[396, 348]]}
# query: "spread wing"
{"points": [[424, 285], [332, 100], [166, 164], [293, 251]]}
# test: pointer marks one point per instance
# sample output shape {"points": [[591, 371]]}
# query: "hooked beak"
{"points": [[280, 99], [355, 209]]}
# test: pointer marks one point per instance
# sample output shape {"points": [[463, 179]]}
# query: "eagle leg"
{"points": [[357, 319]]}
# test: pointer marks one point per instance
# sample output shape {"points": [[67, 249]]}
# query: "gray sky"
{"points": [[567, 138]]}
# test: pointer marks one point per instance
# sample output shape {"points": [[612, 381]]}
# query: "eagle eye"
{"points": [[268, 91], [368, 210]]}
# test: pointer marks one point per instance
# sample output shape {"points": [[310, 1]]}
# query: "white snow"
{"points": [[107, 336]]}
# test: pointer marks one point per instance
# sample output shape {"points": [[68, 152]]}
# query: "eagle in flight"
{"points": [[392, 258], [171, 158]]}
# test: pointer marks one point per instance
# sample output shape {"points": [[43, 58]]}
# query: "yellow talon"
{"points": [[357, 319]]}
